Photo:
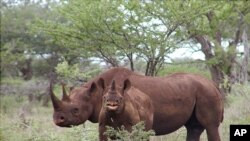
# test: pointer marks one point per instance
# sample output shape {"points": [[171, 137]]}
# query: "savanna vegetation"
{"points": [[73, 41], [26, 120]]}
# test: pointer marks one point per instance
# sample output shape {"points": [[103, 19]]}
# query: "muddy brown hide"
{"points": [[180, 99], [124, 106]]}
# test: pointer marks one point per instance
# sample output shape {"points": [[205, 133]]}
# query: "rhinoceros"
{"points": [[180, 99], [124, 106]]}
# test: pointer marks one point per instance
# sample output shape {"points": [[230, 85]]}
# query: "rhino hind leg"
{"points": [[209, 114], [213, 134], [194, 129]]}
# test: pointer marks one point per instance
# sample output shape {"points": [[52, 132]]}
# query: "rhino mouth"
{"points": [[62, 124], [112, 106]]}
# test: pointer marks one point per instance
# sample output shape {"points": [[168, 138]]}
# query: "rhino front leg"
{"points": [[102, 130]]}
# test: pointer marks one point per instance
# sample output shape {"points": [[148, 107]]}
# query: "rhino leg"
{"points": [[213, 134], [194, 129], [209, 113]]}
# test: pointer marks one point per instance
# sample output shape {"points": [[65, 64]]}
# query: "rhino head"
{"points": [[75, 108], [113, 97]]}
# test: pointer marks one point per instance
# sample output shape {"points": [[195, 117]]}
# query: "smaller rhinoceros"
{"points": [[124, 106]]}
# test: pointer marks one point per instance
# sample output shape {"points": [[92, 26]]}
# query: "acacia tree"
{"points": [[20, 48], [244, 71], [113, 31], [122, 31], [243, 75], [217, 27]]}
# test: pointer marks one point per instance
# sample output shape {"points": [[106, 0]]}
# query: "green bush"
{"points": [[72, 72], [76, 72], [138, 133], [186, 68]]}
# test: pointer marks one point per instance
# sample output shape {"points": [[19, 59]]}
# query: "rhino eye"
{"points": [[61, 118], [75, 111]]}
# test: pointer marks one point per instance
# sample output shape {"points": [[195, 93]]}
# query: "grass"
{"points": [[25, 121], [30, 121]]}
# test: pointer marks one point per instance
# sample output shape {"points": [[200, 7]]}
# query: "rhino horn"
{"points": [[65, 96], [55, 101], [113, 85]]}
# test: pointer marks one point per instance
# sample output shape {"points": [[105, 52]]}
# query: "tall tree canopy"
{"points": [[218, 28], [125, 33], [115, 31], [19, 45]]}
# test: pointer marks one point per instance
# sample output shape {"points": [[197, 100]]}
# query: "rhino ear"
{"points": [[101, 83], [92, 88], [126, 85]]}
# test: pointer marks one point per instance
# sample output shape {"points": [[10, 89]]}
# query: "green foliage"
{"points": [[18, 42], [113, 32], [42, 67], [71, 72], [196, 68], [138, 133], [116, 32], [74, 72]]}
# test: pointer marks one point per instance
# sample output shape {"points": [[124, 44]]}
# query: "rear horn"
{"points": [[65, 96]]}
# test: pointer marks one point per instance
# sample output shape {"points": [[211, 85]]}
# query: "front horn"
{"points": [[113, 85], [55, 101]]}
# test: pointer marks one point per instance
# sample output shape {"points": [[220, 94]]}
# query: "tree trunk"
{"points": [[26, 69], [244, 66], [131, 62], [216, 71], [108, 58], [151, 67]]}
